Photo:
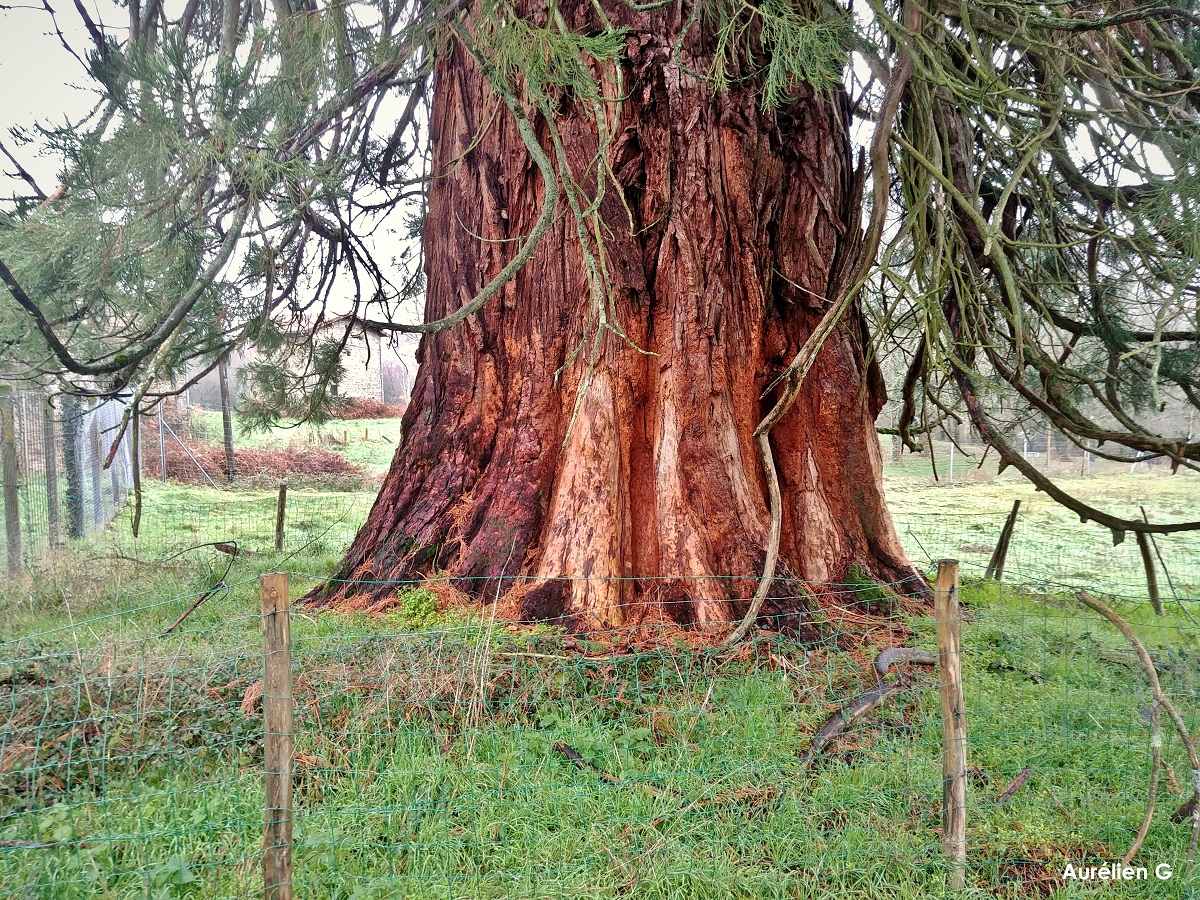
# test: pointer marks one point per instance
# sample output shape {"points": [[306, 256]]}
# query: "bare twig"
{"points": [[1152, 790], [229, 547], [1161, 699]]}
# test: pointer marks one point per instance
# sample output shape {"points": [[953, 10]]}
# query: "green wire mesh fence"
{"points": [[56, 485], [441, 750]]}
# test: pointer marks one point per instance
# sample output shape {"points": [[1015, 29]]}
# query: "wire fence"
{"points": [[312, 522], [55, 482], [1049, 547], [443, 751]]}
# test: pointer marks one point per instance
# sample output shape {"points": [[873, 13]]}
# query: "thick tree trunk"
{"points": [[743, 222]]}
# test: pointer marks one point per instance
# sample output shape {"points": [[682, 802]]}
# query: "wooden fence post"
{"points": [[995, 568], [11, 476], [954, 723], [280, 513], [226, 420], [277, 725], [50, 455]]}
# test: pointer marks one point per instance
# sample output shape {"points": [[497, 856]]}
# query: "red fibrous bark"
{"points": [[744, 222]]}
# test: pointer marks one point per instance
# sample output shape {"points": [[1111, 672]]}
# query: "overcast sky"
{"points": [[41, 82]]}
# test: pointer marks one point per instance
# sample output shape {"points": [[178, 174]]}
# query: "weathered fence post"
{"points": [[280, 513], [954, 723], [50, 456], [277, 725], [226, 420], [11, 478], [95, 456], [72, 424], [995, 568], [162, 445]]}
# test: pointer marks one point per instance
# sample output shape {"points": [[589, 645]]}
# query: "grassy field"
{"points": [[427, 761], [1050, 545], [366, 443], [131, 766]]}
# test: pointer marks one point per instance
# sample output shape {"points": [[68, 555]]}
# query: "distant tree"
{"points": [[670, 270]]}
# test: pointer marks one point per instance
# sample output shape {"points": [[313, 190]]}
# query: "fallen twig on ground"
{"points": [[862, 705], [1016, 785]]}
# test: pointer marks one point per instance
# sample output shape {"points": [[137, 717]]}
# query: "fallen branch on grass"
{"points": [[866, 702], [851, 715], [894, 656]]}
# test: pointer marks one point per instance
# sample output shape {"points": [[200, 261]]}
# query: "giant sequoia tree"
{"points": [[657, 270]]}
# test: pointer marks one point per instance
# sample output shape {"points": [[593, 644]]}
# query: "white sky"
{"points": [[40, 82]]}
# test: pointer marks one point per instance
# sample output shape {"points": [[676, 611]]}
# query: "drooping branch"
{"points": [[793, 376], [1160, 699]]}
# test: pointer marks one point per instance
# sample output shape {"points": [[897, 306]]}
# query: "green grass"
{"points": [[1050, 544], [427, 766], [426, 738], [113, 573]]}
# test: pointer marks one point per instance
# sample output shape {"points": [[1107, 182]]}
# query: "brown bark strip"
{"points": [[1016, 785]]}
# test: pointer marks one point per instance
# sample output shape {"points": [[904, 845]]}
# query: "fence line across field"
{"points": [[441, 752], [54, 480]]}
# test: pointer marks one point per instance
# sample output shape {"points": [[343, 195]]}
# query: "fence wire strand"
{"points": [[441, 751]]}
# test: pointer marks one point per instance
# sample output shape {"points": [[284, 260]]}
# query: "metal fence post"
{"points": [[277, 724], [954, 723], [72, 424]]}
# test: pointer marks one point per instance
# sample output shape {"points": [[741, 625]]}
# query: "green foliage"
{"points": [[291, 378], [419, 608], [548, 61], [868, 593], [784, 43]]}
